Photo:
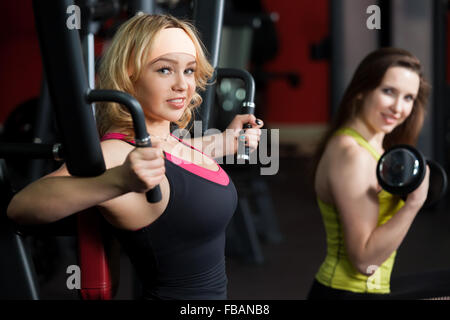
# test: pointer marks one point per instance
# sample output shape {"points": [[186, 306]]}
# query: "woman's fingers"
{"points": [[145, 167], [251, 137], [241, 119]]}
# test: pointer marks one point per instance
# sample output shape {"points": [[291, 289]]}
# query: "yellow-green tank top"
{"points": [[337, 271]]}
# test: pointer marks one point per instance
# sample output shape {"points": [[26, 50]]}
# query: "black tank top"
{"points": [[181, 255]]}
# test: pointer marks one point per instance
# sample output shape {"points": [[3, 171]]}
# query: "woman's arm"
{"points": [[59, 195], [354, 189], [226, 143]]}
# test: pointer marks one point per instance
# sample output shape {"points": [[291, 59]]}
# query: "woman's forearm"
{"points": [[386, 238], [53, 198]]}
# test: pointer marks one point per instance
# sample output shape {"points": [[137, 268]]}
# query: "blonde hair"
{"points": [[129, 48]]}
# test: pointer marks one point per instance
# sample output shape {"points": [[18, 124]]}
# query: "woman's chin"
{"points": [[174, 115], [388, 129]]}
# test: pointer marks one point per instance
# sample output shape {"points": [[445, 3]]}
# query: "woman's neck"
{"points": [[158, 128], [373, 137]]}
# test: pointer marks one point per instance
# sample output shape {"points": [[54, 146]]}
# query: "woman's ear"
{"points": [[130, 73], [130, 70]]}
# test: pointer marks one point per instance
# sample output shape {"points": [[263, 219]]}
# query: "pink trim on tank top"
{"points": [[218, 176], [115, 135]]}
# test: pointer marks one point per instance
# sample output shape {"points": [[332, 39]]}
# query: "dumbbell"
{"points": [[401, 169]]}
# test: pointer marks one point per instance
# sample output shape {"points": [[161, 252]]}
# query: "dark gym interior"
{"points": [[301, 55]]}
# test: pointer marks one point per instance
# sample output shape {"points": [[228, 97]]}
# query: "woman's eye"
{"points": [[387, 90], [164, 70], [409, 98], [190, 71]]}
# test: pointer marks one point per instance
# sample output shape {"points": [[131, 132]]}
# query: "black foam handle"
{"points": [[247, 148], [247, 108], [154, 195]]}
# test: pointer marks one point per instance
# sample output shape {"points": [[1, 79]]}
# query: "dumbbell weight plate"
{"points": [[400, 170], [438, 183]]}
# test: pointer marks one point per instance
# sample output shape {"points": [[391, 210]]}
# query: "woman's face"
{"points": [[166, 86], [388, 105]]}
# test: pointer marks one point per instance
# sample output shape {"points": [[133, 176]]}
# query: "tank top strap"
{"points": [[359, 139], [116, 136]]}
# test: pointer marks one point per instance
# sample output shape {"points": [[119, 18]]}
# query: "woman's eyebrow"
{"points": [[393, 88], [173, 61]]}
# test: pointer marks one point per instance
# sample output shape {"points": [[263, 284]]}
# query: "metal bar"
{"points": [[248, 106], [28, 268], [242, 74], [42, 129], [128, 101], [30, 151], [439, 80], [208, 19], [142, 138], [384, 34], [64, 67]]}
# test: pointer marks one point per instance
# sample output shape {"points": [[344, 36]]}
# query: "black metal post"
{"points": [[208, 18], [440, 125], [64, 67]]}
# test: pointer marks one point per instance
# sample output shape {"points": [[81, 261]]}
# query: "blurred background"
{"points": [[302, 55]]}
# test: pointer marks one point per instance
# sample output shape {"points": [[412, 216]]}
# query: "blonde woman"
{"points": [[176, 245]]}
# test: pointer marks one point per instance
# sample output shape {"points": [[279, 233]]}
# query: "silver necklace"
{"points": [[159, 137]]}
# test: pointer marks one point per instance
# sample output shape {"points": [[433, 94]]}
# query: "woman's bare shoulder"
{"points": [[345, 150], [342, 159], [351, 169], [346, 162], [115, 152]]}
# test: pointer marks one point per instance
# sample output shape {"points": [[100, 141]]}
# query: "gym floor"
{"points": [[289, 266]]}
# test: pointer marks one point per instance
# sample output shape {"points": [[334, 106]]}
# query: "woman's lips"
{"points": [[177, 103], [389, 119]]}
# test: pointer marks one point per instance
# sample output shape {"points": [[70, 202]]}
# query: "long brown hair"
{"points": [[130, 46], [367, 77]]}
